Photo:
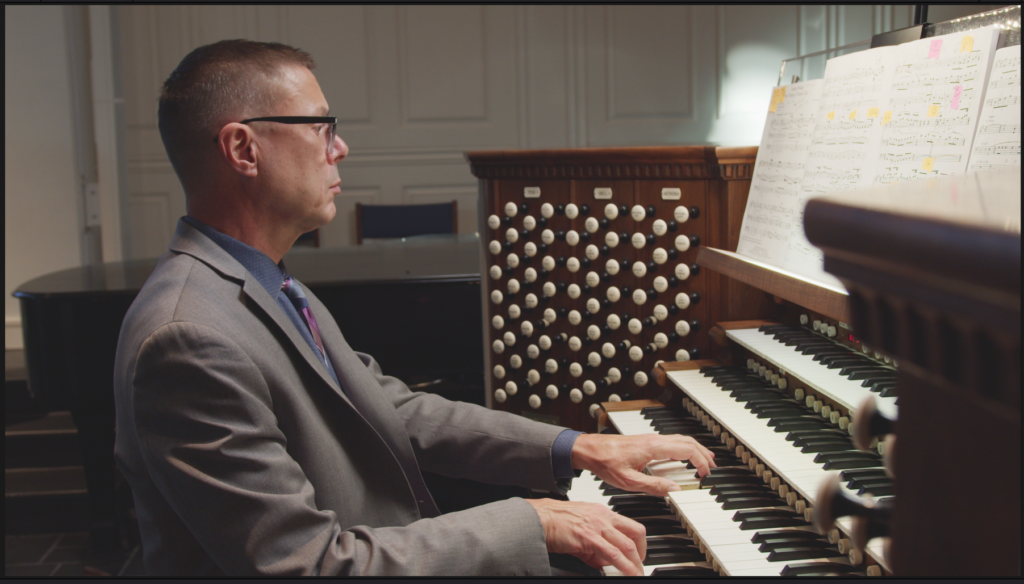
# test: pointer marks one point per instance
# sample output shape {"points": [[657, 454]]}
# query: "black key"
{"points": [[849, 475], [673, 557], [783, 419], [816, 432], [637, 511], [819, 356], [872, 375], [731, 472], [826, 447], [684, 572], [805, 441], [752, 503], [614, 491], [775, 327], [637, 498], [771, 546], [772, 523], [787, 534], [849, 369], [760, 397], [711, 480], [801, 425], [845, 464], [877, 490], [840, 362], [889, 392], [665, 530], [877, 384], [819, 569], [718, 490], [764, 513], [802, 553], [852, 455], [735, 494]]}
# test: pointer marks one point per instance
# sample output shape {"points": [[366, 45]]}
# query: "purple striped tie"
{"points": [[298, 298]]}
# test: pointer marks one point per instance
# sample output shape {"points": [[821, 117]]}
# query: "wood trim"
{"points": [[631, 405], [359, 223], [661, 370], [661, 162], [801, 292], [717, 332]]}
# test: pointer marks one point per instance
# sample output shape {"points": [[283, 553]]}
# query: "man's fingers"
{"points": [[613, 555], [644, 483], [634, 530], [625, 544]]}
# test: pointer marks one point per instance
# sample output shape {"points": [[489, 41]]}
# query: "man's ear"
{"points": [[238, 148]]}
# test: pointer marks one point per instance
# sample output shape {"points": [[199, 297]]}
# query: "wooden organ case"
{"points": [[590, 273]]}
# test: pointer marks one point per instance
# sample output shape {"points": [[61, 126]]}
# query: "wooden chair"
{"points": [[394, 221]]}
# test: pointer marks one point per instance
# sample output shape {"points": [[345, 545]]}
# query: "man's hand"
{"points": [[620, 460], [593, 533]]}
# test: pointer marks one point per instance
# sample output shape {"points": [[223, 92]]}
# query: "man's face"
{"points": [[300, 180]]}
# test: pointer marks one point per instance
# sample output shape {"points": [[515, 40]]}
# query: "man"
{"points": [[255, 440]]}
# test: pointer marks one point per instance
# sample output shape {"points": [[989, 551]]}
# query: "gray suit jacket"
{"points": [[244, 456]]}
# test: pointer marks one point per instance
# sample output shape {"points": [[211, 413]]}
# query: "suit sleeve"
{"points": [[211, 444], [462, 440]]}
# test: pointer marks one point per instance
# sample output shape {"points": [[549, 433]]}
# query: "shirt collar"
{"points": [[270, 275]]}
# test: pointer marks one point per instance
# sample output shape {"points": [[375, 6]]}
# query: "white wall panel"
{"points": [[148, 223], [549, 76]]}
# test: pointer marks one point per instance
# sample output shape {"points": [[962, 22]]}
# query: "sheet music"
{"points": [[772, 210], [844, 144], [934, 105], [997, 141]]}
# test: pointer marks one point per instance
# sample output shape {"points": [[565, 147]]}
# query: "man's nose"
{"points": [[340, 150]]}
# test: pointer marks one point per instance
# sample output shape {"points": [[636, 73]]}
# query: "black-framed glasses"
{"points": [[331, 132]]}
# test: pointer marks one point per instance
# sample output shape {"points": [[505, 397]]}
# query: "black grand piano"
{"points": [[413, 304]]}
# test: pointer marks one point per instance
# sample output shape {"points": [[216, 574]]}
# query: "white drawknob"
{"points": [[493, 222], [575, 395], [639, 296], [495, 272], [547, 236], [661, 340], [544, 342], [636, 353], [530, 249], [682, 242], [607, 349], [549, 289], [513, 286], [593, 306], [612, 267], [509, 338], [613, 294], [547, 211], [638, 240], [511, 209], [494, 247], [513, 311], [589, 387], [638, 213], [512, 234], [681, 214], [660, 228], [683, 300], [591, 252], [498, 346], [612, 239], [816, 325], [498, 322], [529, 223], [682, 355], [594, 359], [526, 327], [575, 344], [497, 296], [551, 391], [660, 284], [592, 279], [591, 225], [572, 264], [783, 383], [575, 369], [511, 388], [614, 398], [614, 375], [611, 211], [532, 377], [593, 332], [512, 260], [659, 255], [640, 378], [531, 300], [634, 326], [831, 332], [575, 317], [500, 396], [516, 362], [803, 319], [572, 211], [548, 263], [550, 315], [551, 366], [682, 271], [573, 291], [613, 322], [660, 312], [534, 401], [594, 409], [639, 269], [572, 237], [499, 371], [532, 351]]}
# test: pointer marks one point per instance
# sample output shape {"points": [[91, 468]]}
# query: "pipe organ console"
{"points": [[590, 273], [803, 407]]}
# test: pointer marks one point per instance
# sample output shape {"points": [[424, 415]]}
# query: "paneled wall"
{"points": [[416, 86]]}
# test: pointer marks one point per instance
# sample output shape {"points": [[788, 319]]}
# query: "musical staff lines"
{"points": [[997, 141]]}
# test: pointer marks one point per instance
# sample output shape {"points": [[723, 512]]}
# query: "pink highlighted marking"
{"points": [[936, 47], [956, 96]]}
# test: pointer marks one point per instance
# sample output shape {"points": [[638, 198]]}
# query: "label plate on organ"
{"points": [[671, 194], [531, 192], [602, 193]]}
